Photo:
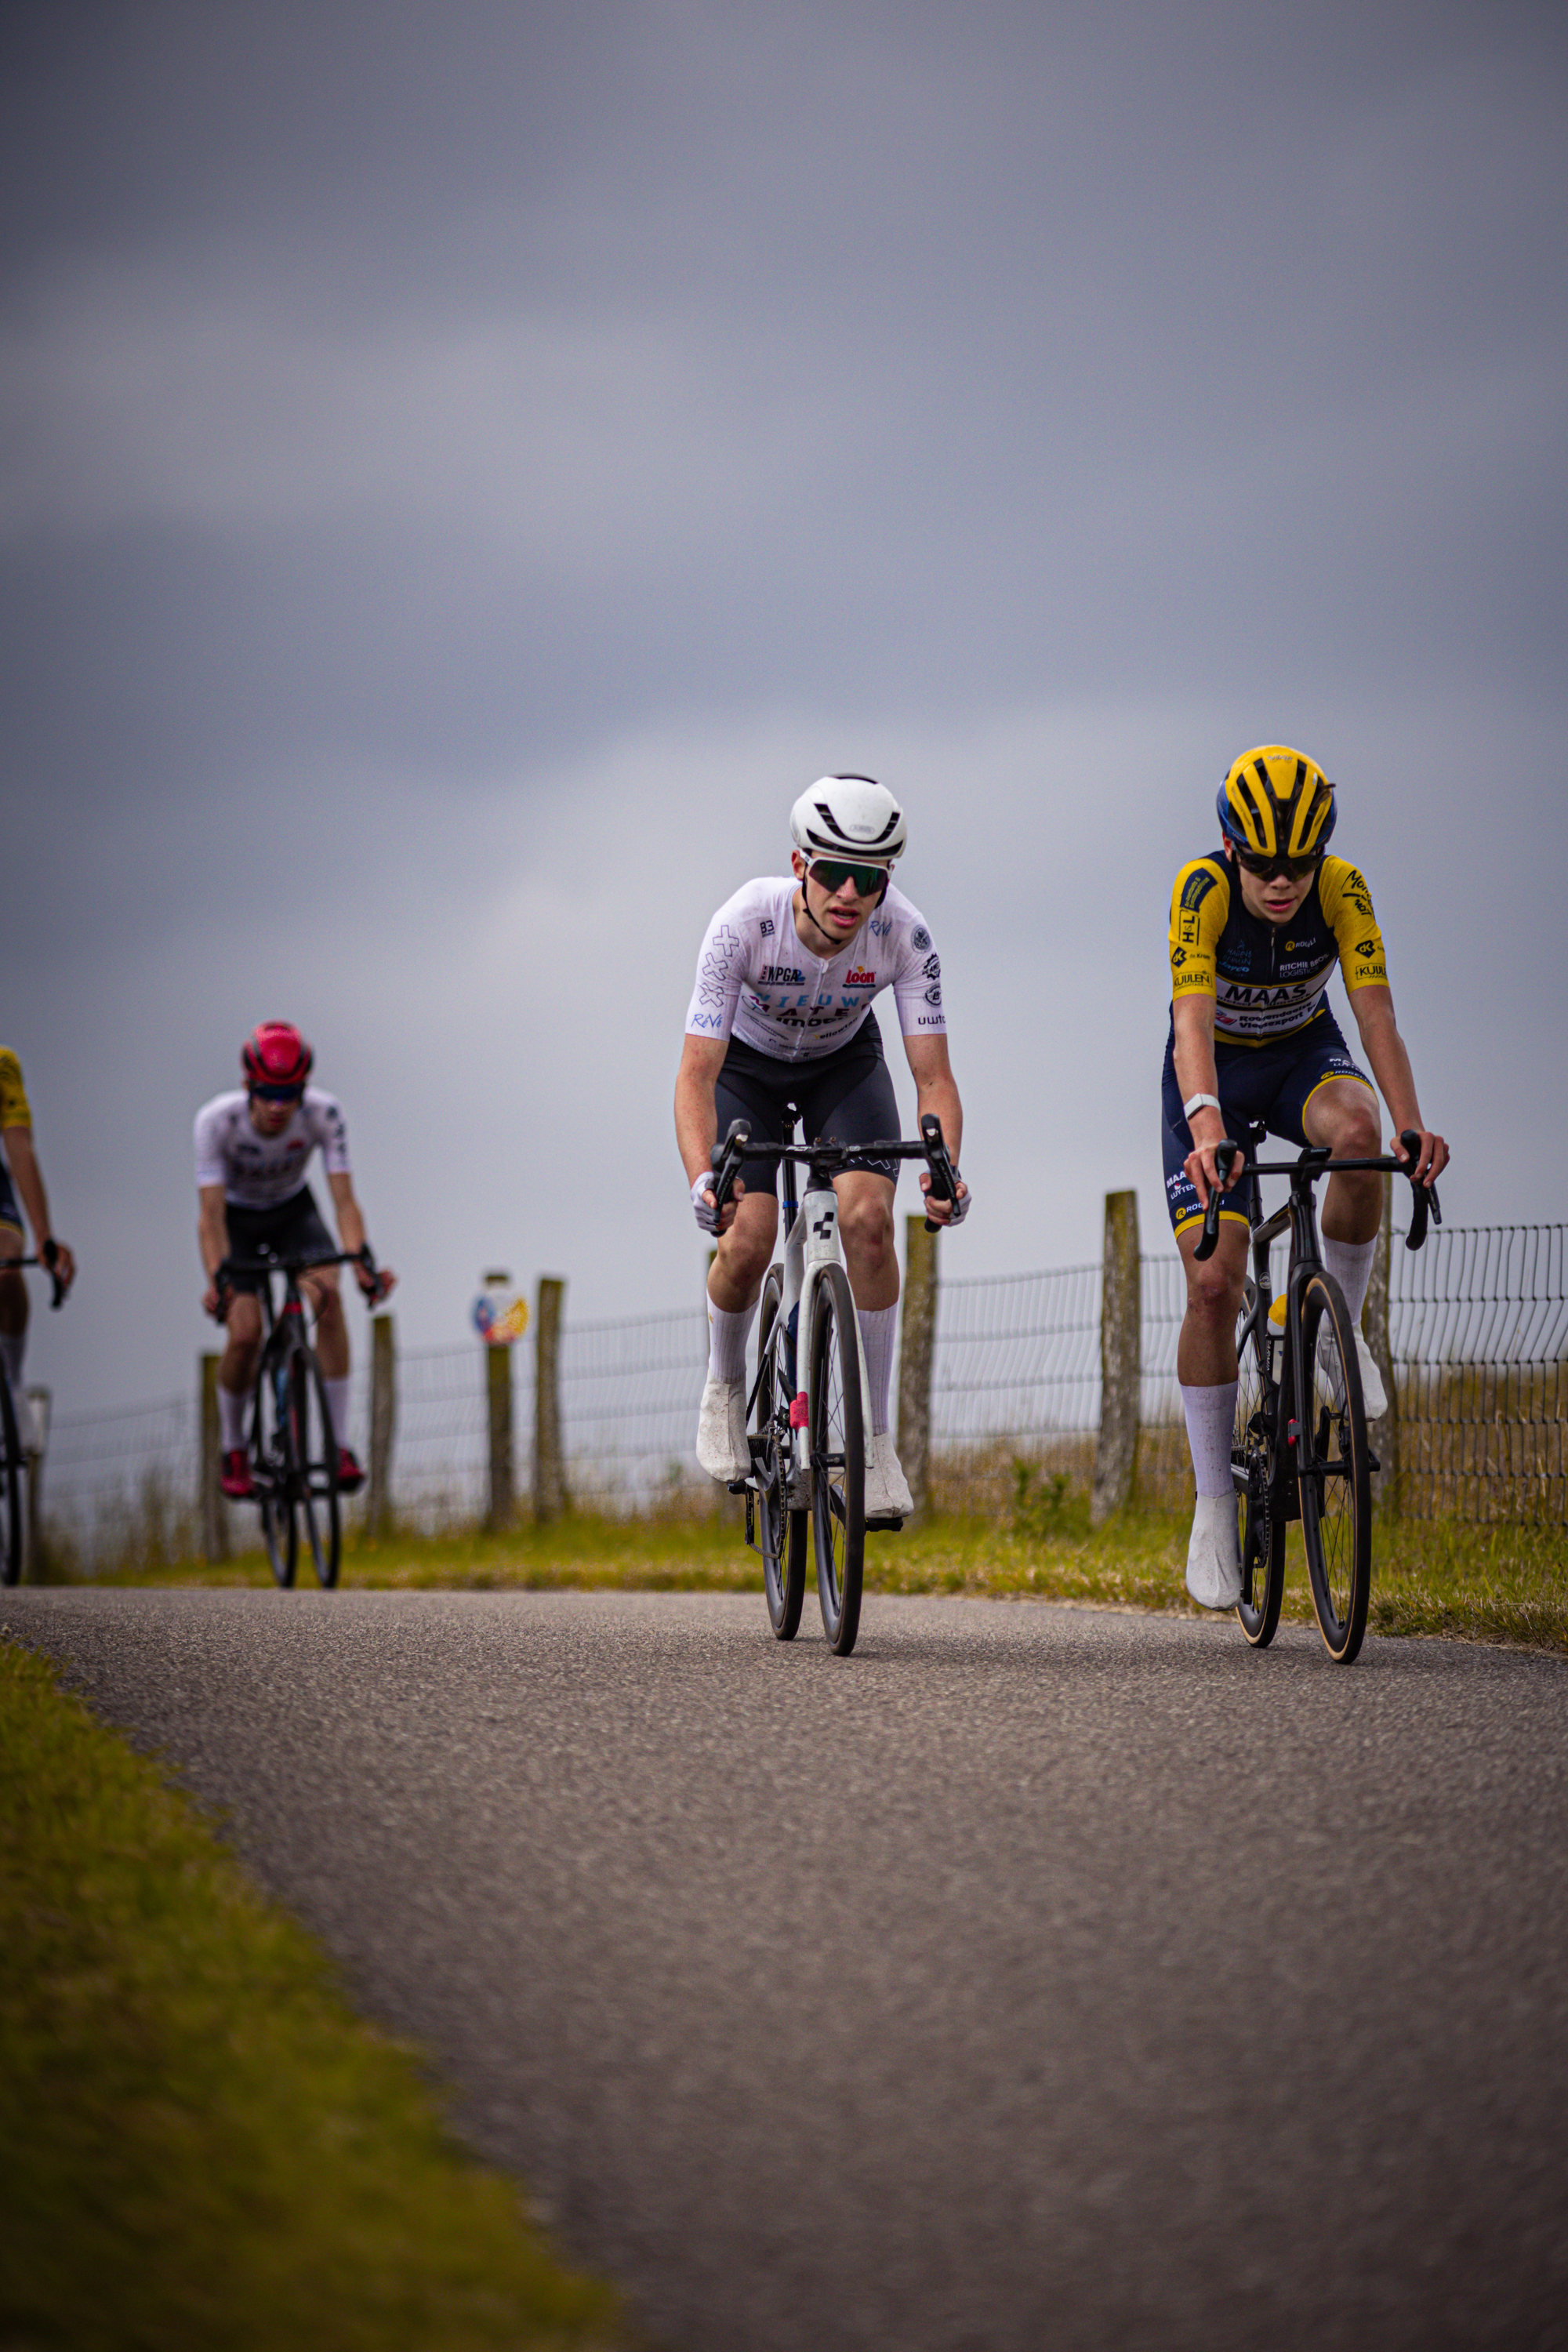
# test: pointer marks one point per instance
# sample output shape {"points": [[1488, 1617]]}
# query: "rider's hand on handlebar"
{"points": [[57, 1257], [375, 1282], [1431, 1161], [216, 1299], [1207, 1128], [704, 1203], [946, 1213]]}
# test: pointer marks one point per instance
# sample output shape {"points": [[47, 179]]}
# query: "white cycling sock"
{"points": [[876, 1325], [1349, 1263], [13, 1350], [1211, 1417], [231, 1405], [338, 1406], [727, 1336]]}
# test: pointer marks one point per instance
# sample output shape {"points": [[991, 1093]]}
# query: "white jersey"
{"points": [[757, 983], [257, 1172]]}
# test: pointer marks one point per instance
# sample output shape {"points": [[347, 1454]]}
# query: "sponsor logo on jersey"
{"points": [[930, 1020], [1366, 947], [931, 967], [1178, 957], [781, 975], [919, 938], [933, 993], [766, 927], [1195, 889], [879, 926], [859, 979]]}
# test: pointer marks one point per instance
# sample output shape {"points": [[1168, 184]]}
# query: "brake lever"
{"points": [[943, 1176], [725, 1161], [1424, 1196], [1225, 1156]]}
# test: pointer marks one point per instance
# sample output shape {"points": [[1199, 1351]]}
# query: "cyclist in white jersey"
{"points": [[252, 1150], [781, 1012]]}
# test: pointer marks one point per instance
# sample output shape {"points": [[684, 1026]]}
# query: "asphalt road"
{"points": [[1036, 1977]]}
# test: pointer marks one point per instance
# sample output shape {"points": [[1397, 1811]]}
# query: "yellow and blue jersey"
{"points": [[14, 1109], [1268, 979]]}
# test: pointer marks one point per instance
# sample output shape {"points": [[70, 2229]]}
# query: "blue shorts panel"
{"points": [[1259, 1086]]}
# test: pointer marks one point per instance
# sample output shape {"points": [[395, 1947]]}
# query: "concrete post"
{"points": [[497, 1376], [917, 1348], [1116, 1453], [550, 1495], [1383, 1433], [209, 1498], [383, 1423]]}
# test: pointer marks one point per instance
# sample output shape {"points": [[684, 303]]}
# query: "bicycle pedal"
{"points": [[885, 1524], [1372, 1461], [740, 1486]]}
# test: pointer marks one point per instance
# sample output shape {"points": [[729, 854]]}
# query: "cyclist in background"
{"points": [[20, 1172], [1254, 933], [781, 1012], [252, 1149]]}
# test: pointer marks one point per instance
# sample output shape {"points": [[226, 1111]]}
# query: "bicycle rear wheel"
{"points": [[10, 1488], [315, 1448], [837, 1459], [1262, 1529], [781, 1532], [272, 1472], [1336, 1492]]}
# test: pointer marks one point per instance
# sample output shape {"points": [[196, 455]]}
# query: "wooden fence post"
{"points": [[917, 1347], [383, 1423], [1116, 1452], [498, 1378], [1374, 1323], [33, 1570], [214, 1516], [550, 1498]]}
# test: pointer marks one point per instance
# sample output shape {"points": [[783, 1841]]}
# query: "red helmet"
{"points": [[275, 1054]]}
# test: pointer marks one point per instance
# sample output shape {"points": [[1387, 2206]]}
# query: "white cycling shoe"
{"points": [[1373, 1395], [1213, 1558], [887, 1495], [722, 1448]]}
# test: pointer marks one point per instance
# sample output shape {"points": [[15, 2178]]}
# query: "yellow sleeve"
{"points": [[14, 1111], [1200, 902], [1346, 903]]}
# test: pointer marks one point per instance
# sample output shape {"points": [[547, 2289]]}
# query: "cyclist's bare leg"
{"points": [[320, 1292], [1343, 1114], [865, 1229], [242, 1344], [1205, 1351], [744, 1252]]}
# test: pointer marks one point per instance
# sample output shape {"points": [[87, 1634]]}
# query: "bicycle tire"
{"points": [[837, 1460], [781, 1532], [315, 1448], [10, 1487], [1336, 1492], [272, 1476], [1262, 1529]]}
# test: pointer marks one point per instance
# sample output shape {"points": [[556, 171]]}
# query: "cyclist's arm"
{"points": [[351, 1228], [937, 1089], [696, 1113], [1197, 1072], [28, 1178], [212, 1235], [1374, 1010]]}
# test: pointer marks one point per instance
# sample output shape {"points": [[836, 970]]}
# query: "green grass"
{"points": [[202, 2147], [1504, 1583]]}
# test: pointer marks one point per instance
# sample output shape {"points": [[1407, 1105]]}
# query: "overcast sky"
{"points": [[465, 469]]}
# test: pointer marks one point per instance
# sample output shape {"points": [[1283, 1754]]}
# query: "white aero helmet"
{"points": [[848, 816]]}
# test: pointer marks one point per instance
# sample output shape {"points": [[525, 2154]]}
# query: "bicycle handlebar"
{"points": [[1313, 1162], [270, 1262], [11, 1264], [835, 1158]]}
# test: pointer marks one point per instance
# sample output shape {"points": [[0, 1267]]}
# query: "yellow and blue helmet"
{"points": [[1275, 802]]}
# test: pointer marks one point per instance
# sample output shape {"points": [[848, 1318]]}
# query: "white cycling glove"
{"points": [[962, 1203], [706, 1215]]}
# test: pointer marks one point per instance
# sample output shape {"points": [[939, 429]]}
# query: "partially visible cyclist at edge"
{"points": [[781, 1012], [19, 1170], [1254, 933], [252, 1149]]}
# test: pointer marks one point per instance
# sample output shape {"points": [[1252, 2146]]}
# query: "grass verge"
{"points": [[1502, 1583], [202, 2145]]}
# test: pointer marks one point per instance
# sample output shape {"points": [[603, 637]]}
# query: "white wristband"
{"points": [[1200, 1102]]}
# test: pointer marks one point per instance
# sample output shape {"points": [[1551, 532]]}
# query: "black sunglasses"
{"points": [[832, 875], [279, 1094], [1266, 868]]}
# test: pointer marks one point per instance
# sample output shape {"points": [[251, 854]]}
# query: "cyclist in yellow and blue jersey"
{"points": [[1256, 929], [20, 1172]]}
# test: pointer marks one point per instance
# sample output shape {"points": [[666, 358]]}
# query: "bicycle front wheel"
{"points": [[837, 1459], [315, 1448], [272, 1472], [1336, 1489], [781, 1532], [1262, 1528], [10, 1488]]}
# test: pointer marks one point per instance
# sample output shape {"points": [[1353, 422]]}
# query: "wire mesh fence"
{"points": [[1478, 1333]]}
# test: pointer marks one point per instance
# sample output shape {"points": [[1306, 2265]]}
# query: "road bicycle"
{"points": [[13, 1459], [292, 1447], [1287, 1462], [805, 1418]]}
